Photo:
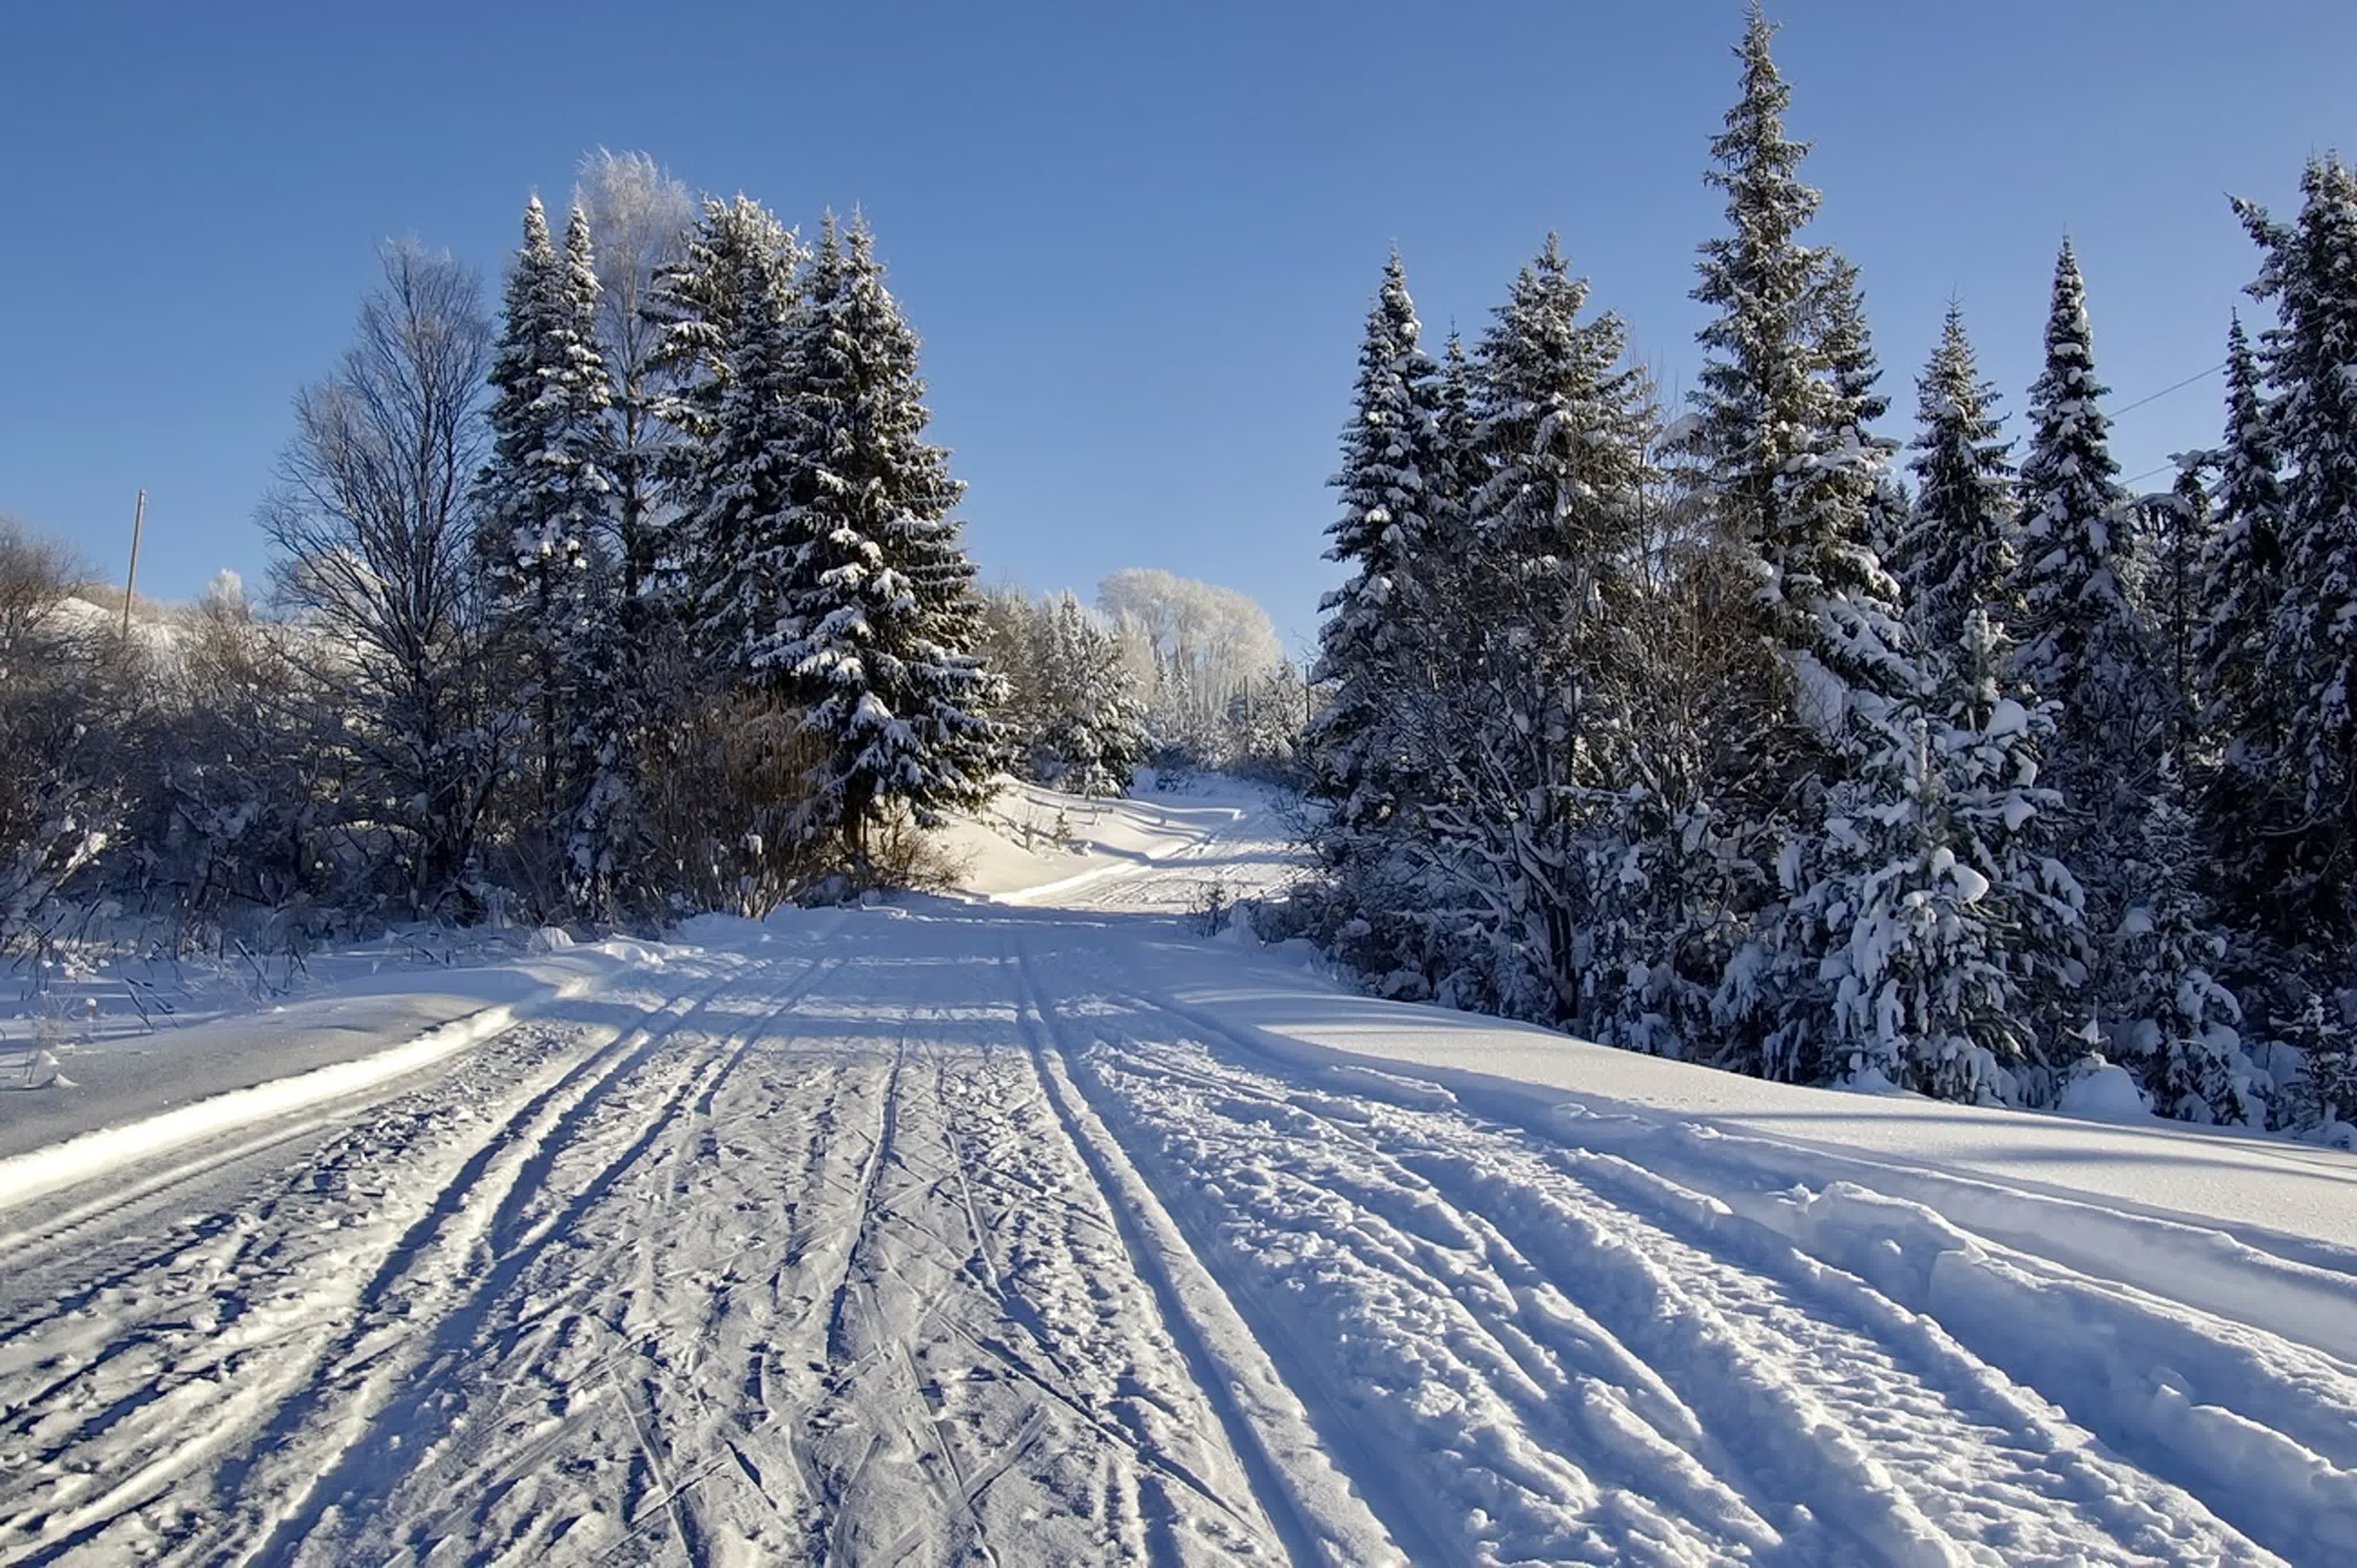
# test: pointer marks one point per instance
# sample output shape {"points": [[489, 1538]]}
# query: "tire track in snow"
{"points": [[2261, 1430], [372, 1389], [243, 1370], [1533, 1394], [1274, 1459], [2051, 1455], [624, 1381]]}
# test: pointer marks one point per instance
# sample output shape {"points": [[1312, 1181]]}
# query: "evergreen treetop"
{"points": [[1958, 553], [1565, 424]]}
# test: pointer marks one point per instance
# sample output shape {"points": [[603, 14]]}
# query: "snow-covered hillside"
{"points": [[1033, 1226]]}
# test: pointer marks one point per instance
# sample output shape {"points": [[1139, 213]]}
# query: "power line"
{"points": [[2149, 397], [2177, 386]]}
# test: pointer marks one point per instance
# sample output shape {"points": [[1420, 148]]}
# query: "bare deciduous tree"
{"points": [[373, 526], [55, 812]]}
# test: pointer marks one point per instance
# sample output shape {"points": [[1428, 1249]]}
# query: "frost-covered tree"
{"points": [[874, 622], [1370, 646], [2309, 269], [1194, 645], [1958, 552], [639, 218]]}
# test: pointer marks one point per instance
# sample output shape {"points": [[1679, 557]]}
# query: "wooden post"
{"points": [[131, 577]]}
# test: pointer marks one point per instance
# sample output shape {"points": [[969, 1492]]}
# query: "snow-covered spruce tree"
{"points": [[875, 593], [2325, 1095], [1368, 656], [540, 496], [1751, 409], [1870, 861], [1853, 651], [1920, 997], [2080, 629], [2083, 644], [2235, 658], [606, 691], [2175, 1024], [1958, 552], [1526, 732], [2309, 270], [736, 539], [1759, 414], [1461, 465], [1266, 722]]}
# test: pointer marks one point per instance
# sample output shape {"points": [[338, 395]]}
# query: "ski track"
{"points": [[942, 1238]]}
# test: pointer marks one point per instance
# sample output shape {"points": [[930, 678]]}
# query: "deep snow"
{"points": [[1035, 1226]]}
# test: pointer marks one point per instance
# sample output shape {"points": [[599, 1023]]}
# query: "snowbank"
{"points": [[131, 1097]]}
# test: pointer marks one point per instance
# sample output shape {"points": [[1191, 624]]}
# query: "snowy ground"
{"points": [[1034, 1228]]}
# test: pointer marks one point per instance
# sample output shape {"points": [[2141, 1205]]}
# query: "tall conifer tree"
{"points": [[2241, 667], [543, 496], [877, 625], [2083, 644], [1366, 646], [736, 539], [2309, 270]]}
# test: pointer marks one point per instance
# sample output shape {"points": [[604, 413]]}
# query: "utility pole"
{"points": [[130, 577]]}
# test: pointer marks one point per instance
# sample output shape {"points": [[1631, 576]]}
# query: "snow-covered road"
{"points": [[974, 1233]]}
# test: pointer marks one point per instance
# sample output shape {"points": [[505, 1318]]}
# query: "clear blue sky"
{"points": [[1138, 239]]}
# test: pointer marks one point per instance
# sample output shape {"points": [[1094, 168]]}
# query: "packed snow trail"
{"points": [[975, 1233]]}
